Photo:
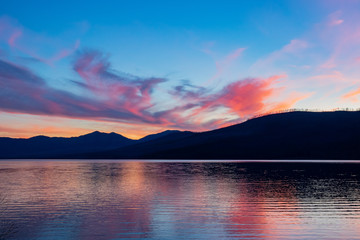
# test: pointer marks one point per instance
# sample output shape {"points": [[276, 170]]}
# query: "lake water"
{"points": [[180, 200]]}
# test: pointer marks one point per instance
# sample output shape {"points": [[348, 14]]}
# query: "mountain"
{"points": [[157, 135], [293, 135], [52, 147], [169, 140]]}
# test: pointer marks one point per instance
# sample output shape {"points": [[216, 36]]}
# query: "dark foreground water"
{"points": [[179, 200]]}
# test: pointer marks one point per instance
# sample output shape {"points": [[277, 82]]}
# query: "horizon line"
{"points": [[247, 119]]}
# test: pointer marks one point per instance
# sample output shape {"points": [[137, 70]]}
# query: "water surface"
{"points": [[180, 200]]}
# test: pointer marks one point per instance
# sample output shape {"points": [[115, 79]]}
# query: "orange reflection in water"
{"points": [[264, 209]]}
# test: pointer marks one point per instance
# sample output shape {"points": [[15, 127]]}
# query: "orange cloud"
{"points": [[352, 95], [238, 100], [289, 102], [34, 130]]}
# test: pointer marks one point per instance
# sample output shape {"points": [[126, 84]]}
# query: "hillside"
{"points": [[50, 147], [293, 135]]}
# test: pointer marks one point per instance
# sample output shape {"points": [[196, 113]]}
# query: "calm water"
{"points": [[180, 200]]}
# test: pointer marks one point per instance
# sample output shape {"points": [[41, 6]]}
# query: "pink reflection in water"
{"points": [[167, 200]]}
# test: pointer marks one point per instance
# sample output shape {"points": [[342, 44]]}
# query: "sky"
{"points": [[68, 68]]}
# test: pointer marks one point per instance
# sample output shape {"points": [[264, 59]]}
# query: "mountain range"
{"points": [[292, 135]]}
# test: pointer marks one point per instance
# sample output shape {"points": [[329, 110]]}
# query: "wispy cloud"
{"points": [[25, 92], [119, 92], [223, 64], [28, 42], [352, 95], [293, 49], [112, 96], [240, 99], [335, 19], [105, 94]]}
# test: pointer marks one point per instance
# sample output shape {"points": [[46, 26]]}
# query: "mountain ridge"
{"points": [[291, 135]]}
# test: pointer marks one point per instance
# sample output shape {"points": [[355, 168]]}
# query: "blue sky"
{"points": [[139, 67]]}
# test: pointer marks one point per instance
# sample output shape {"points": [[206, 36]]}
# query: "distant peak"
{"points": [[102, 134], [95, 133], [39, 137]]}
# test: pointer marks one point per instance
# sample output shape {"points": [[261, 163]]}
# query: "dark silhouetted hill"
{"points": [[157, 135], [169, 140], [293, 135], [44, 147]]}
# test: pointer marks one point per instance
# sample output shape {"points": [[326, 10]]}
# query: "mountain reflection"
{"points": [[180, 200]]}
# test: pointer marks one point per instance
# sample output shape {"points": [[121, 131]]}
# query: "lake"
{"points": [[102, 199]]}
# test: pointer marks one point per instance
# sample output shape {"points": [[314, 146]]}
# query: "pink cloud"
{"points": [[129, 93], [333, 76], [330, 63], [14, 36], [112, 96], [27, 42], [64, 53], [341, 37], [224, 64], [245, 97], [334, 19], [24, 92], [336, 22], [242, 98]]}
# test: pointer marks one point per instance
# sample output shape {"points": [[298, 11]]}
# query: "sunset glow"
{"points": [[67, 69]]}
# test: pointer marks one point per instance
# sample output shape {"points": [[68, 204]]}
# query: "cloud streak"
{"points": [[24, 92], [119, 92], [234, 102], [26, 42], [108, 95], [352, 95]]}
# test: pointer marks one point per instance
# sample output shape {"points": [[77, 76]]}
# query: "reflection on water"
{"points": [[181, 200]]}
